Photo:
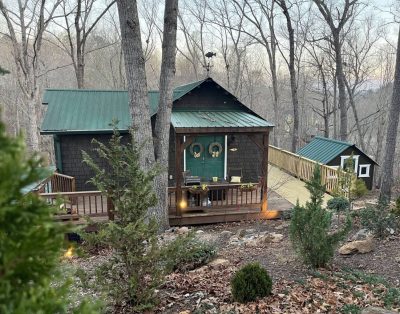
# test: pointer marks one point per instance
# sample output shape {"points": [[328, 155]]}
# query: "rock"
{"points": [[183, 230], [226, 233], [218, 262], [397, 259], [250, 231], [185, 312], [282, 226], [241, 233], [234, 240], [362, 246], [362, 234], [376, 310], [276, 237], [199, 232]]}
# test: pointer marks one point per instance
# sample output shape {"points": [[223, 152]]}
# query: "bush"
{"points": [[133, 272], [31, 242], [95, 241], [358, 188], [378, 219], [338, 204], [310, 227], [187, 253], [251, 282], [396, 208]]}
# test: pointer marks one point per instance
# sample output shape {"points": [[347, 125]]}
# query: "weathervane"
{"points": [[208, 66]]}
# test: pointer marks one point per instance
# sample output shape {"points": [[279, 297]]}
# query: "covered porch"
{"points": [[208, 186]]}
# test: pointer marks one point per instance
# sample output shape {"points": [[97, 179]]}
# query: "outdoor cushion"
{"points": [[235, 179]]}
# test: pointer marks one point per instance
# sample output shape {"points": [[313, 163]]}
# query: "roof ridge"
{"points": [[85, 90], [333, 140]]}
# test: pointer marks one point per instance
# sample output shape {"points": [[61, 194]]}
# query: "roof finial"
{"points": [[208, 66]]}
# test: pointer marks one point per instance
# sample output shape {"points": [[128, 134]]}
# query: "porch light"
{"points": [[232, 144], [183, 204]]}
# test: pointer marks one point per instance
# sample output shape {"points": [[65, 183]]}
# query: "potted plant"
{"points": [[199, 189], [248, 187]]}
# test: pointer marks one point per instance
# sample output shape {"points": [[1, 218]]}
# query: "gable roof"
{"points": [[91, 111], [324, 149]]}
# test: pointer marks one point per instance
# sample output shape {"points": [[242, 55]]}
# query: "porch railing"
{"points": [[220, 196], [79, 204], [301, 167], [57, 182]]}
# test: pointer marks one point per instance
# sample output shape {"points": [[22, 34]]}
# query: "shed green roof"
{"points": [[216, 119], [323, 149]]}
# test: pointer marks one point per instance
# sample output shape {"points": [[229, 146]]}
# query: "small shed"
{"points": [[334, 153]]}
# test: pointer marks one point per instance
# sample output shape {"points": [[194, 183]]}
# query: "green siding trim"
{"points": [[57, 153], [323, 149]]}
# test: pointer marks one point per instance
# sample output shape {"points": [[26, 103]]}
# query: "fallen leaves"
{"points": [[208, 289]]}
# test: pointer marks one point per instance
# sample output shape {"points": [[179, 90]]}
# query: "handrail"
{"points": [[302, 167]]}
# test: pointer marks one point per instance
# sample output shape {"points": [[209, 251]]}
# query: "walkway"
{"points": [[289, 187]]}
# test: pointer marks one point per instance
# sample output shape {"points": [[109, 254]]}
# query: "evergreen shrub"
{"points": [[310, 227], [251, 282]]}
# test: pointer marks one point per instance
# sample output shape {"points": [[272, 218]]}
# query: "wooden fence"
{"points": [[301, 167]]}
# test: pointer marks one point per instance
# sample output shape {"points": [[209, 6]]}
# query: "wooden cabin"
{"points": [[215, 141], [334, 153]]}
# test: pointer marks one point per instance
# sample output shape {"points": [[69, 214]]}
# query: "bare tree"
{"points": [[391, 133], [78, 31], [292, 71], [256, 12], [26, 26], [163, 120], [336, 21]]}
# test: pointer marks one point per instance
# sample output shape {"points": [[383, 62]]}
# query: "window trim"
{"points": [[344, 157], [364, 166]]}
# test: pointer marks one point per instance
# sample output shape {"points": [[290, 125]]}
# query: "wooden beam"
{"points": [[264, 165], [178, 172]]}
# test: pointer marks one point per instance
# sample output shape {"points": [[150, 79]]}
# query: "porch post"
{"points": [[264, 187], [178, 173]]}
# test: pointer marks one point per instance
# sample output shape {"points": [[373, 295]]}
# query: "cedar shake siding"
{"points": [[248, 157]]}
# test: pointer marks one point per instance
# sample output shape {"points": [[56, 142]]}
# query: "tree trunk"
{"points": [[341, 86], [293, 80], [335, 135], [32, 131], [163, 121], [136, 79], [391, 134], [356, 119]]}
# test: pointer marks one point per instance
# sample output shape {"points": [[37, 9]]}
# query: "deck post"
{"points": [[178, 173], [264, 187]]}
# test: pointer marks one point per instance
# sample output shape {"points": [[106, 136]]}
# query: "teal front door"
{"points": [[206, 165]]}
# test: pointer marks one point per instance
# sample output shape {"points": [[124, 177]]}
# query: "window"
{"points": [[364, 171], [355, 162]]}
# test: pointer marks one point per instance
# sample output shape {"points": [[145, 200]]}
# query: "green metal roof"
{"points": [[323, 149], [213, 119], [83, 110]]}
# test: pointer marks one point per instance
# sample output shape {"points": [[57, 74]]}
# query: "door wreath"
{"points": [[215, 153], [200, 149]]}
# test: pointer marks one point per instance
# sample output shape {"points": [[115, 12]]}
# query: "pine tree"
{"points": [[310, 227], [31, 242]]}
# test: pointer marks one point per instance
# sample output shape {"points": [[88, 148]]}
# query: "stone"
{"points": [[362, 234], [226, 233], [218, 262], [376, 310], [183, 230], [199, 232], [185, 312], [241, 233], [250, 231], [276, 237], [362, 246], [282, 226], [397, 259]]}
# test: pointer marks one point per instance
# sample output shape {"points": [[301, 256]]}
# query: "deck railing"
{"points": [[57, 182], [219, 196], [302, 167], [79, 204]]}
